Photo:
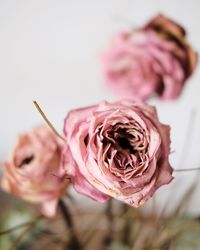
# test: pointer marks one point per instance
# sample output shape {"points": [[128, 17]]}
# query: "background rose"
{"points": [[33, 169], [153, 59], [117, 150]]}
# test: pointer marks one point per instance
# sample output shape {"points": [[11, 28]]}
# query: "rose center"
{"points": [[124, 143], [26, 161]]}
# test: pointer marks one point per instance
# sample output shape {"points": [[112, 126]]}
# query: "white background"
{"points": [[50, 52]]}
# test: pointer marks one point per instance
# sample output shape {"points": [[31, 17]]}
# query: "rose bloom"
{"points": [[153, 60], [33, 171], [117, 150]]}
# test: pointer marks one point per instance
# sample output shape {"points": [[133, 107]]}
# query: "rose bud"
{"points": [[33, 171], [153, 60], [117, 150]]}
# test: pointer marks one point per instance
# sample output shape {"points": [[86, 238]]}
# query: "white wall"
{"points": [[50, 49]]}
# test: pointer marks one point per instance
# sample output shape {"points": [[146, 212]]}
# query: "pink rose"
{"points": [[155, 59], [34, 169], [117, 150]]}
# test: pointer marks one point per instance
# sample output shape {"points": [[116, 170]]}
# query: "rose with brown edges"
{"points": [[153, 60], [34, 170], [117, 150]]}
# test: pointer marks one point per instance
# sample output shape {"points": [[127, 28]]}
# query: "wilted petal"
{"points": [[118, 150]]}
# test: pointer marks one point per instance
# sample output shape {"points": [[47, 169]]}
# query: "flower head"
{"points": [[117, 150], [155, 59], [34, 171]]}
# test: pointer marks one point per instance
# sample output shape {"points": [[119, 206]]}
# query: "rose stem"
{"points": [[47, 121], [189, 136], [24, 232], [10, 230], [188, 140], [186, 169], [110, 218], [74, 243], [127, 225]]}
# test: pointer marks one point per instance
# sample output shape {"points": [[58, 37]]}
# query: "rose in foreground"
{"points": [[34, 169], [117, 150], [153, 60]]}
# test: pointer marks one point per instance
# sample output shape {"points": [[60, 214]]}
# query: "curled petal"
{"points": [[34, 172], [152, 60], [117, 150]]}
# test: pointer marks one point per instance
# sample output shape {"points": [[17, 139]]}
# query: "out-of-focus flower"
{"points": [[155, 59], [34, 170], [117, 150]]}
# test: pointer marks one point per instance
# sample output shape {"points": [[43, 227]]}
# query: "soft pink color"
{"points": [[34, 171], [141, 64], [153, 60], [117, 150]]}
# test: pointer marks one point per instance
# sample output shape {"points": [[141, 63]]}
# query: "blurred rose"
{"points": [[117, 150], [34, 169], [155, 59]]}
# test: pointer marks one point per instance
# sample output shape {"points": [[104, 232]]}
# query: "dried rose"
{"points": [[155, 59], [117, 150], [34, 168]]}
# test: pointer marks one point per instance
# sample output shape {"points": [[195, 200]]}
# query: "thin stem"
{"points": [[126, 230], [74, 242], [24, 232], [110, 218], [66, 215], [186, 169], [10, 230], [47, 121], [189, 136]]}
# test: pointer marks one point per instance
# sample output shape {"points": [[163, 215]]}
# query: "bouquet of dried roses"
{"points": [[117, 153]]}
